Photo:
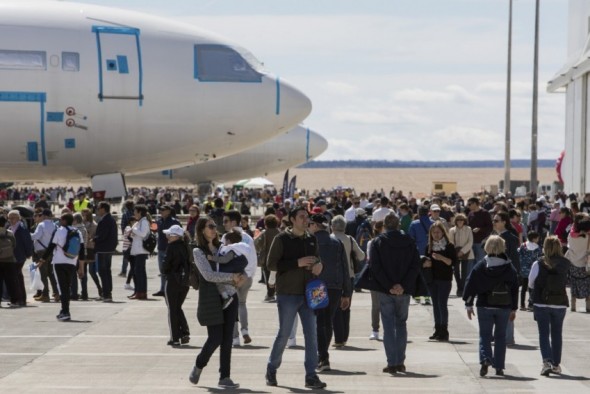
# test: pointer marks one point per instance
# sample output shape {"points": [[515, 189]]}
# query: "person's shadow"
{"points": [[568, 377]]}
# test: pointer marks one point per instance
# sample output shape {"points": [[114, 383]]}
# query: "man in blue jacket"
{"points": [[105, 243], [395, 265]]}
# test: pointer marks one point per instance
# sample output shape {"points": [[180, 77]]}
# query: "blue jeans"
{"points": [[104, 271], [289, 306], [161, 259], [439, 291], [394, 314], [492, 320], [478, 252], [550, 324]]}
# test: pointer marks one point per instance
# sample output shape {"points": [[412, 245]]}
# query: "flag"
{"points": [[286, 186], [292, 186]]}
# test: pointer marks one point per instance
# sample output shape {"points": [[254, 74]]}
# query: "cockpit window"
{"points": [[218, 63]]}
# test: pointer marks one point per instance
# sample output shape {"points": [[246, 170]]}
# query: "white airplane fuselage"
{"points": [[287, 150], [88, 90]]}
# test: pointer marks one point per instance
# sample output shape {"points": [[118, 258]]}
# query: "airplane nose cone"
{"points": [[317, 145], [292, 106]]}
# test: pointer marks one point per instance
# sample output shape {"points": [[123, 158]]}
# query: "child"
{"points": [[230, 259], [528, 252]]}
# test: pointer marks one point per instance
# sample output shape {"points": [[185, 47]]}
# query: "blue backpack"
{"points": [[73, 244], [316, 294]]}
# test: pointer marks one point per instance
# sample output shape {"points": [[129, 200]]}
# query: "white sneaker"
{"points": [[556, 369], [236, 342], [292, 342], [546, 369], [374, 336], [128, 287]]}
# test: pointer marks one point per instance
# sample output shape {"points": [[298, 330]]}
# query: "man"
{"points": [[22, 252], [293, 260], [481, 225], [336, 276], [7, 260], [164, 223], [350, 213], [419, 229], [379, 214], [395, 265], [81, 203], [63, 266], [105, 243], [435, 215], [231, 221], [41, 241]]}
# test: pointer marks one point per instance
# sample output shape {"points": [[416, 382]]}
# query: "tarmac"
{"points": [[121, 348]]}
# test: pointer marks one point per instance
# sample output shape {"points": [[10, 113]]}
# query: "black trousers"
{"points": [[270, 291], [342, 324], [221, 336], [63, 274], [324, 318], [8, 277], [104, 271], [175, 296], [20, 292]]}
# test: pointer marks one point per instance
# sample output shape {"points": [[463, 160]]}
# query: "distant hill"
{"points": [[423, 164]]}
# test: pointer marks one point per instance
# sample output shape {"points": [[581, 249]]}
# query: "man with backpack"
{"points": [[105, 243], [41, 240], [66, 247]]}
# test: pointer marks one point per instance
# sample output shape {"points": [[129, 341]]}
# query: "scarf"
{"points": [[438, 246]]}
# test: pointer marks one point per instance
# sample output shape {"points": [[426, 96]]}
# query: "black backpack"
{"points": [[500, 294], [554, 291]]}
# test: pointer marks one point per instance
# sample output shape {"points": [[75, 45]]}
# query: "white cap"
{"points": [[434, 207], [174, 230]]}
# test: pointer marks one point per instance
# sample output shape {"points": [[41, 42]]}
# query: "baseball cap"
{"points": [[174, 230]]}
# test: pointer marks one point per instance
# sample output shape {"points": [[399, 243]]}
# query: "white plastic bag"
{"points": [[36, 282]]}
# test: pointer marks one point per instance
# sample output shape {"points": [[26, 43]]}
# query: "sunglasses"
{"points": [[496, 221], [212, 226]]}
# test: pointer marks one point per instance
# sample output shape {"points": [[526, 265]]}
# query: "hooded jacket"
{"points": [[395, 260], [335, 262], [485, 276], [419, 232]]}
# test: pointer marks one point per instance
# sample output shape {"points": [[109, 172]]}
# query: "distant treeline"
{"points": [[423, 164]]}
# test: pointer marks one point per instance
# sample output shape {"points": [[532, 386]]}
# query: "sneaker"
{"points": [[271, 378], [323, 366], [247, 339], [185, 339], [43, 299], [427, 301], [227, 383], [546, 369], [499, 372], [314, 383], [269, 299], [556, 369], [227, 302], [195, 375], [338, 344], [374, 336], [128, 286], [159, 294], [173, 343], [291, 342], [63, 317], [483, 371], [236, 342], [108, 300]]}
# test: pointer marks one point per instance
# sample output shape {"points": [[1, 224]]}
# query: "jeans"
{"points": [[140, 275], [219, 336], [394, 314], [104, 271], [439, 291], [460, 272], [375, 310], [93, 272], [289, 306], [478, 252], [243, 311], [550, 325], [125, 263], [325, 317], [494, 319], [161, 259]]}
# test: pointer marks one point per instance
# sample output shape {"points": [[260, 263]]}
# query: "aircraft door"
{"points": [[23, 125], [119, 63]]}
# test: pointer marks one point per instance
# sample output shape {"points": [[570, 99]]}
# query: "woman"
{"points": [[565, 220], [176, 267], [517, 225], [462, 237], [577, 253], [193, 213], [375, 305], [90, 266], [548, 279], [220, 322], [440, 257], [138, 253], [495, 284]]}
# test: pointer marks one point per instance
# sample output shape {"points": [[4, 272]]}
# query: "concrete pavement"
{"points": [[121, 348]]}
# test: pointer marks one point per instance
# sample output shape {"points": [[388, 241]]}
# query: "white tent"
{"points": [[254, 183]]}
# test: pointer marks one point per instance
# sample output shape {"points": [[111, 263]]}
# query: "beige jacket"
{"points": [[463, 238]]}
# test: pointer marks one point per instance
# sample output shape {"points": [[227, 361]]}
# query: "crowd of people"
{"points": [[394, 245]]}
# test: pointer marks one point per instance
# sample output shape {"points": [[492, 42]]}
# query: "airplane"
{"points": [[295, 147], [88, 90]]}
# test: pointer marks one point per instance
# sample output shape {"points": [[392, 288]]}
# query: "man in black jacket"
{"points": [[105, 243], [395, 265]]}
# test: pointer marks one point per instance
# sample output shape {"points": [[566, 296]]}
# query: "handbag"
{"points": [[357, 264], [150, 242], [316, 294]]}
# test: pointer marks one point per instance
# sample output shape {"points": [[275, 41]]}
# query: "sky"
{"points": [[401, 79]]}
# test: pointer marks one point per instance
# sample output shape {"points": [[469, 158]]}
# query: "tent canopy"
{"points": [[254, 183]]}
